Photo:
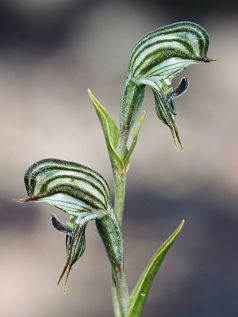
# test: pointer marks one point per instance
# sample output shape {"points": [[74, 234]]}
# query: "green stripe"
{"points": [[45, 186], [91, 181], [75, 245], [180, 41], [71, 180], [132, 98], [77, 193], [51, 164], [74, 191], [181, 32], [159, 54], [175, 28], [156, 46]]}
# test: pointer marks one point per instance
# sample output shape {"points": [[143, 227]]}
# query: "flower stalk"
{"points": [[119, 284]]}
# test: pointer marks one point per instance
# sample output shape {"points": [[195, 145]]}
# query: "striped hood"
{"points": [[68, 186]]}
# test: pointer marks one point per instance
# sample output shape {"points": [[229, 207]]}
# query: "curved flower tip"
{"points": [[209, 60], [23, 200]]}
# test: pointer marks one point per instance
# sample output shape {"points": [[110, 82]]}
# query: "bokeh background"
{"points": [[51, 51]]}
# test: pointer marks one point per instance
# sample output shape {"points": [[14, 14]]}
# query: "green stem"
{"points": [[120, 193], [120, 293], [120, 283], [122, 141], [115, 299]]}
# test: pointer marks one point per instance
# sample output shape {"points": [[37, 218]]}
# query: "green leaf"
{"points": [[141, 290], [110, 131], [135, 137]]}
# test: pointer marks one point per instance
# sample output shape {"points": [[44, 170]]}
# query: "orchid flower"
{"points": [[154, 62]]}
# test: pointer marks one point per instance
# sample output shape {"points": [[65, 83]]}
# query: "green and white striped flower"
{"points": [[69, 186], [84, 195], [154, 61]]}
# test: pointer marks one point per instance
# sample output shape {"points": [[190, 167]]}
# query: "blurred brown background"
{"points": [[51, 51]]}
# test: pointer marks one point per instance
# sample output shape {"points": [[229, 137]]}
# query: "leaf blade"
{"points": [[110, 131], [134, 141], [141, 290]]}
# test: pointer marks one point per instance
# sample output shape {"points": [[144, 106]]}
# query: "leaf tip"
{"points": [[90, 93], [181, 224]]}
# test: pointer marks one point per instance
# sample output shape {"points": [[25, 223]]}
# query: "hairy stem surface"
{"points": [[120, 193], [120, 293]]}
